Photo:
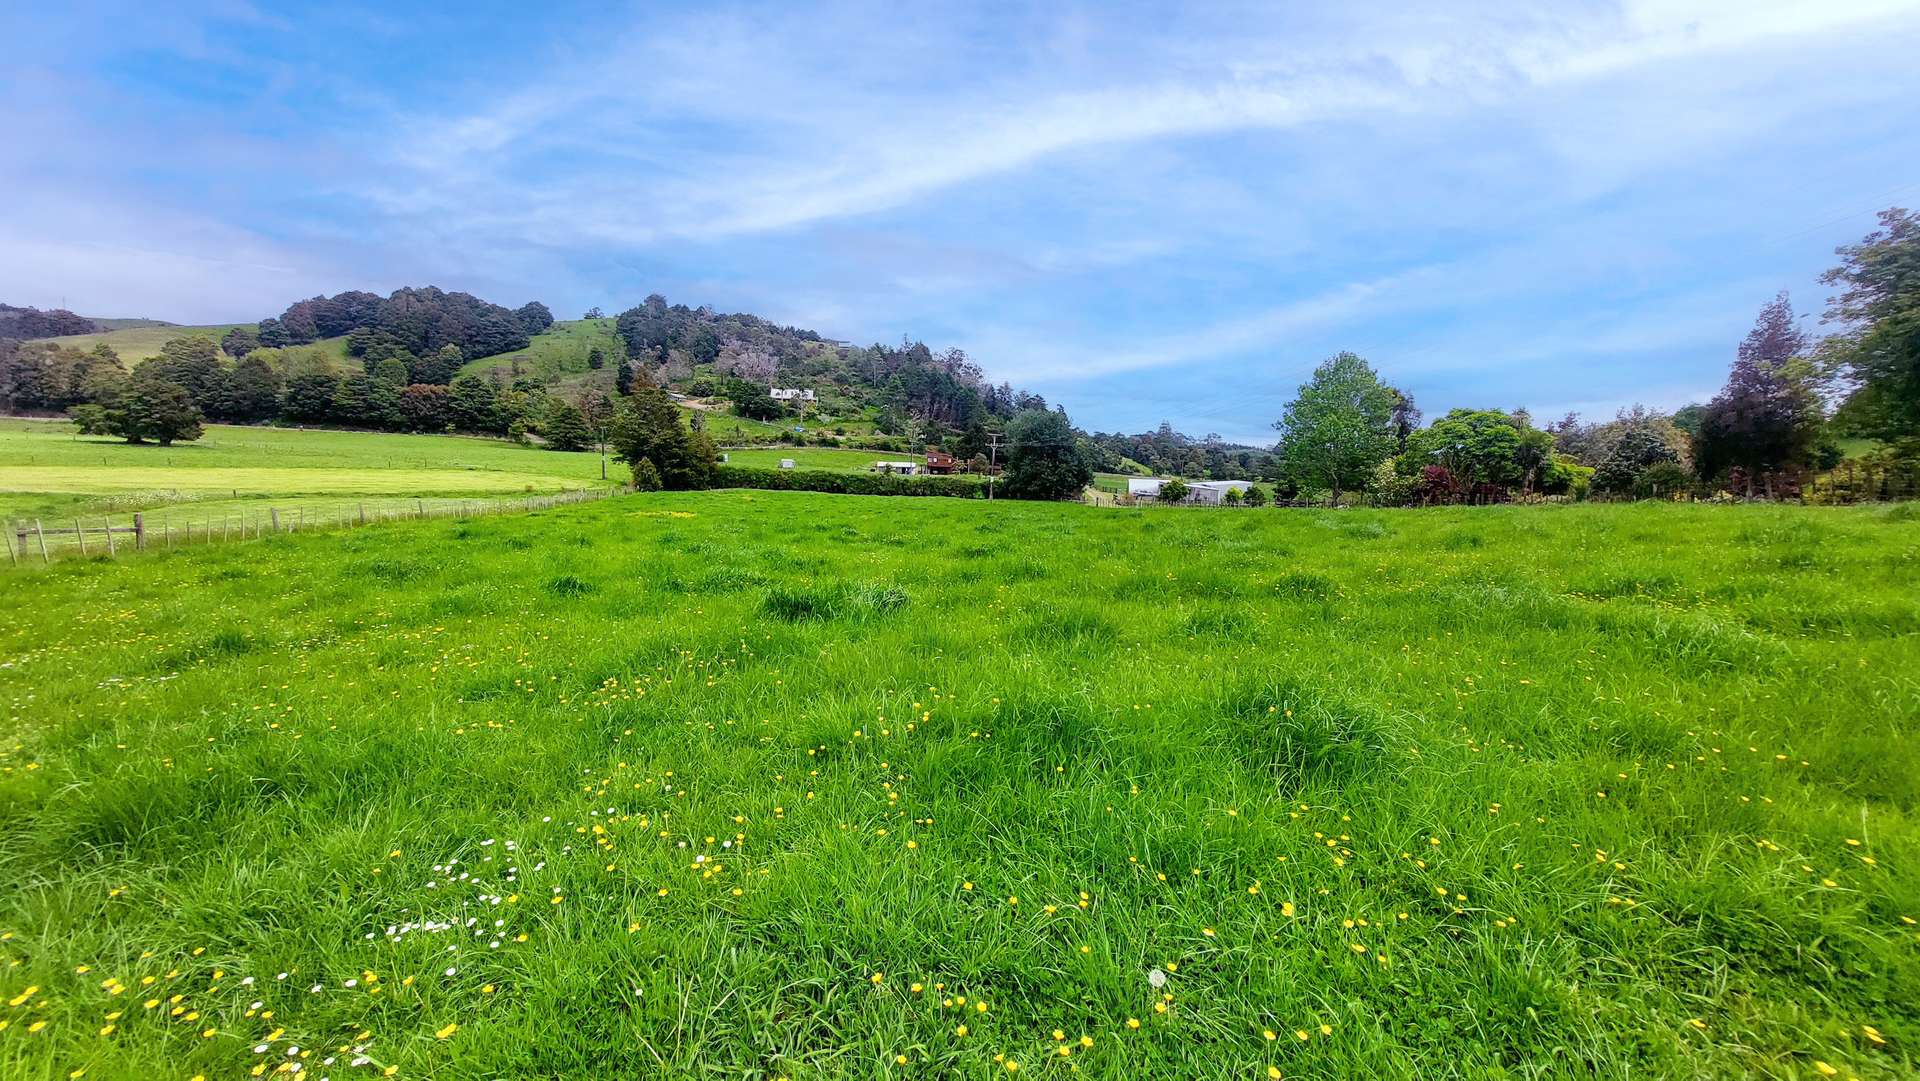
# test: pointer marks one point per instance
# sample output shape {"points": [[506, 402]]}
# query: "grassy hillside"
{"points": [[560, 351], [138, 343], [777, 785], [143, 342]]}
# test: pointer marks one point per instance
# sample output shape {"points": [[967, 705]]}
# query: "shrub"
{"points": [[1256, 496], [1173, 491], [1388, 487], [819, 480], [645, 477], [1662, 480]]}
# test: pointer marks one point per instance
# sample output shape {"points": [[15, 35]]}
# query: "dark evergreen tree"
{"points": [[1044, 460], [473, 404], [154, 408], [564, 427], [648, 435], [309, 397], [1768, 416]]}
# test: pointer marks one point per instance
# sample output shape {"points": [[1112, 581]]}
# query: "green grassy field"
{"points": [[768, 785], [828, 458], [48, 472]]}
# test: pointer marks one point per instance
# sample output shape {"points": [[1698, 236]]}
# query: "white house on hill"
{"points": [[789, 394]]}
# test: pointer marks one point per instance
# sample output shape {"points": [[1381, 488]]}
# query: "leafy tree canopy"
{"points": [[1340, 426]]}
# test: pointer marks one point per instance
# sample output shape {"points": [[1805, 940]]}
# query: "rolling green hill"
{"points": [[138, 343], [561, 350]]}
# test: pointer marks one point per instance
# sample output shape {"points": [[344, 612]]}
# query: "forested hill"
{"points": [[899, 387], [418, 321], [719, 364], [33, 323]]}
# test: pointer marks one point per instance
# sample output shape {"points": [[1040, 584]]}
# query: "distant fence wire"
{"points": [[40, 540]]}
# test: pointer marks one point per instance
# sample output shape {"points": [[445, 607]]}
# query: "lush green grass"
{"points": [[48, 472], [36, 444], [747, 785], [560, 351]]}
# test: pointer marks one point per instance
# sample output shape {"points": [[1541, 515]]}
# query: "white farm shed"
{"points": [[1205, 492]]}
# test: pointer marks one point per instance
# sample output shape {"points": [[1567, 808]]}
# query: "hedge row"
{"points": [[820, 480]]}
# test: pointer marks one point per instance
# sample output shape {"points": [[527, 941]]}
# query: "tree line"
{"points": [[1789, 398]]}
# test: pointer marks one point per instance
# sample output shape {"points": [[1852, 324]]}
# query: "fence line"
{"points": [[27, 539]]}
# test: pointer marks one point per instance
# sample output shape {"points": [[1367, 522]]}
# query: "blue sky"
{"points": [[1145, 212]]}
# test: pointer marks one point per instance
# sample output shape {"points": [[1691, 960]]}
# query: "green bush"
{"points": [[820, 480]]}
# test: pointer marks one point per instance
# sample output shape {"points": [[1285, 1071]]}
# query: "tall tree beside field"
{"points": [[1768, 416], [647, 429], [1877, 351], [309, 397], [193, 362], [474, 404], [154, 408], [254, 393], [1340, 426], [564, 427], [1044, 459]]}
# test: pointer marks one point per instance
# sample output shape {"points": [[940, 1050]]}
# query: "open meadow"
{"points": [[750, 784], [49, 473]]}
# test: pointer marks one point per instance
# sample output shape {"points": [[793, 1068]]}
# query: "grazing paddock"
{"points": [[751, 784]]}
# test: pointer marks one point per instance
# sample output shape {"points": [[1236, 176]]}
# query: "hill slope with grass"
{"points": [[773, 784]]}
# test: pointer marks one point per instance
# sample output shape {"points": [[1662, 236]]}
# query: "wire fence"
{"points": [[42, 540]]}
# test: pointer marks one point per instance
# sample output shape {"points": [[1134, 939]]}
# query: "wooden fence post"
{"points": [[108, 522], [363, 514], [274, 513], [12, 559], [80, 535], [42, 534], [139, 532]]}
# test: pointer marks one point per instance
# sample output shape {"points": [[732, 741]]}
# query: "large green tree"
{"points": [[1878, 309], [1475, 446], [1044, 460], [1339, 427], [154, 408], [564, 427], [647, 429]]}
